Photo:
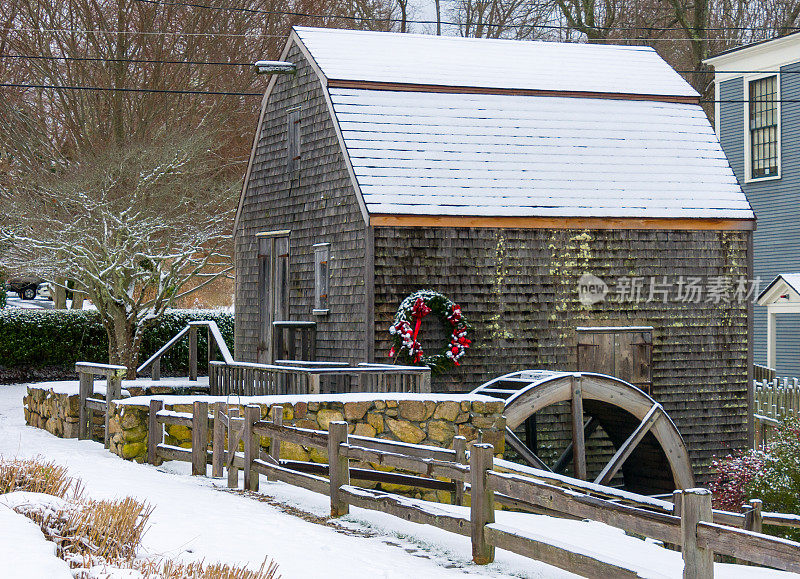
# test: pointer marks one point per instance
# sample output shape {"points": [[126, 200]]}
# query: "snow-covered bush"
{"points": [[36, 339], [3, 293], [772, 476]]}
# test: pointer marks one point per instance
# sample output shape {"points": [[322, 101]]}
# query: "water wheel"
{"points": [[648, 452]]}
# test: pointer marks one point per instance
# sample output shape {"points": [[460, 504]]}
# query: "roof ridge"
{"points": [[465, 39]]}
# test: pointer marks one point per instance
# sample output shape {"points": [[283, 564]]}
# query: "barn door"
{"points": [[273, 289], [623, 352]]}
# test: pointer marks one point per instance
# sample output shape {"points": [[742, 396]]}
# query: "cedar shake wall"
{"points": [[519, 290], [318, 204]]}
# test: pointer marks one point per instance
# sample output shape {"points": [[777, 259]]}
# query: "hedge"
{"points": [[37, 344]]}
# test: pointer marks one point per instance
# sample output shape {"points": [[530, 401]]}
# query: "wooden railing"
{"points": [[688, 522], [761, 373], [248, 379], [778, 398], [88, 404], [153, 363]]}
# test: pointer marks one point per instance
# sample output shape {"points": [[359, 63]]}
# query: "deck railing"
{"points": [[293, 377], [153, 363]]}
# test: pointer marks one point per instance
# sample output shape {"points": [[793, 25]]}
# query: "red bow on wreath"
{"points": [[419, 311]]}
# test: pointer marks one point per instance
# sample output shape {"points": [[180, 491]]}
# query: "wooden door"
{"points": [[273, 290], [622, 352]]}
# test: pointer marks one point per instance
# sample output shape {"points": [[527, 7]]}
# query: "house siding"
{"points": [[318, 204], [519, 290], [776, 204]]}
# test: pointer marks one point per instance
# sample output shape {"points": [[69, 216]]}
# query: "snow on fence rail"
{"points": [[689, 521]]}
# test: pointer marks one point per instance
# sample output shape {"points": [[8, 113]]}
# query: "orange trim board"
{"points": [[408, 87], [708, 224]]}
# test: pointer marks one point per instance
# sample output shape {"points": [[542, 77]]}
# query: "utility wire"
{"points": [[251, 64], [147, 32], [231, 93], [642, 39], [132, 60], [150, 90], [476, 24]]}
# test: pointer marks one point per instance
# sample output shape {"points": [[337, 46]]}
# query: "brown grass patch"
{"points": [[38, 476], [201, 570]]}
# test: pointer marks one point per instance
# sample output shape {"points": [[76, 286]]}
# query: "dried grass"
{"points": [[104, 534], [110, 530], [201, 570], [38, 476]]}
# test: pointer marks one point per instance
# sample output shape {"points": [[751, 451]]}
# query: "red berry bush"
{"points": [[772, 475]]}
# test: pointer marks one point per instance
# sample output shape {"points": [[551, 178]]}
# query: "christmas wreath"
{"points": [[405, 331]]}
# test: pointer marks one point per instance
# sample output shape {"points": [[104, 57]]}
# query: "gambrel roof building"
{"points": [[499, 173]]}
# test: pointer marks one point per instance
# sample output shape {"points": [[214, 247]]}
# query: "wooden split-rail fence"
{"points": [[689, 522]]}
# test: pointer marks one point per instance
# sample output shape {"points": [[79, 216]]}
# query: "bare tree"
{"points": [[515, 19], [132, 226]]}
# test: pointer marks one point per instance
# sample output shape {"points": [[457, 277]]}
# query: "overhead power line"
{"points": [[132, 60], [390, 20], [232, 93], [250, 64], [146, 32], [121, 89]]}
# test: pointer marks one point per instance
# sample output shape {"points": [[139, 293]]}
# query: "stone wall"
{"points": [[53, 406]]}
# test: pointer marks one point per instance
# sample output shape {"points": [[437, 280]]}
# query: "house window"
{"points": [[322, 253], [293, 139], [764, 130]]}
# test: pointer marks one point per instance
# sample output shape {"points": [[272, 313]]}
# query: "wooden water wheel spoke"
{"points": [[524, 451], [578, 438], [588, 429], [627, 447]]}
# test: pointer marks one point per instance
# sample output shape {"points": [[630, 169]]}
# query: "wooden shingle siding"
{"points": [[776, 204], [519, 289], [317, 203]]}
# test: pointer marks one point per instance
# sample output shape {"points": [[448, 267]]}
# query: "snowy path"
{"points": [[195, 520]]}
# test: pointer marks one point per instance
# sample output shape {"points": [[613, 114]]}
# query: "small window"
{"points": [[763, 118], [321, 277], [293, 139]]}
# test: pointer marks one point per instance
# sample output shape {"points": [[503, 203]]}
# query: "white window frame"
{"points": [[322, 253], [748, 149]]}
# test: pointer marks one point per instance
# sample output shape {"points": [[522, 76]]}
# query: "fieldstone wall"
{"points": [[53, 406]]}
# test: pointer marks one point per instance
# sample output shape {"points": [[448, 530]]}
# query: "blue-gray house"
{"points": [[758, 124]]}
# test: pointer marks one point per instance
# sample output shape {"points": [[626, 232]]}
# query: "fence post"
{"points": [[199, 437], [460, 446], [218, 440], [275, 443], [230, 457], [252, 414], [155, 369], [155, 432], [192, 352], [481, 460], [339, 467], [84, 415], [698, 563], [753, 519], [113, 392]]}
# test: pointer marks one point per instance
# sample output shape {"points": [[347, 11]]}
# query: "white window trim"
{"points": [[748, 150]]}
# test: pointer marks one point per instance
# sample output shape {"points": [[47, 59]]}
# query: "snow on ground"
{"points": [[194, 519], [24, 552]]}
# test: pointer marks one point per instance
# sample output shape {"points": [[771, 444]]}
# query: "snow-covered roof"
{"points": [[508, 64], [779, 289], [499, 155]]}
